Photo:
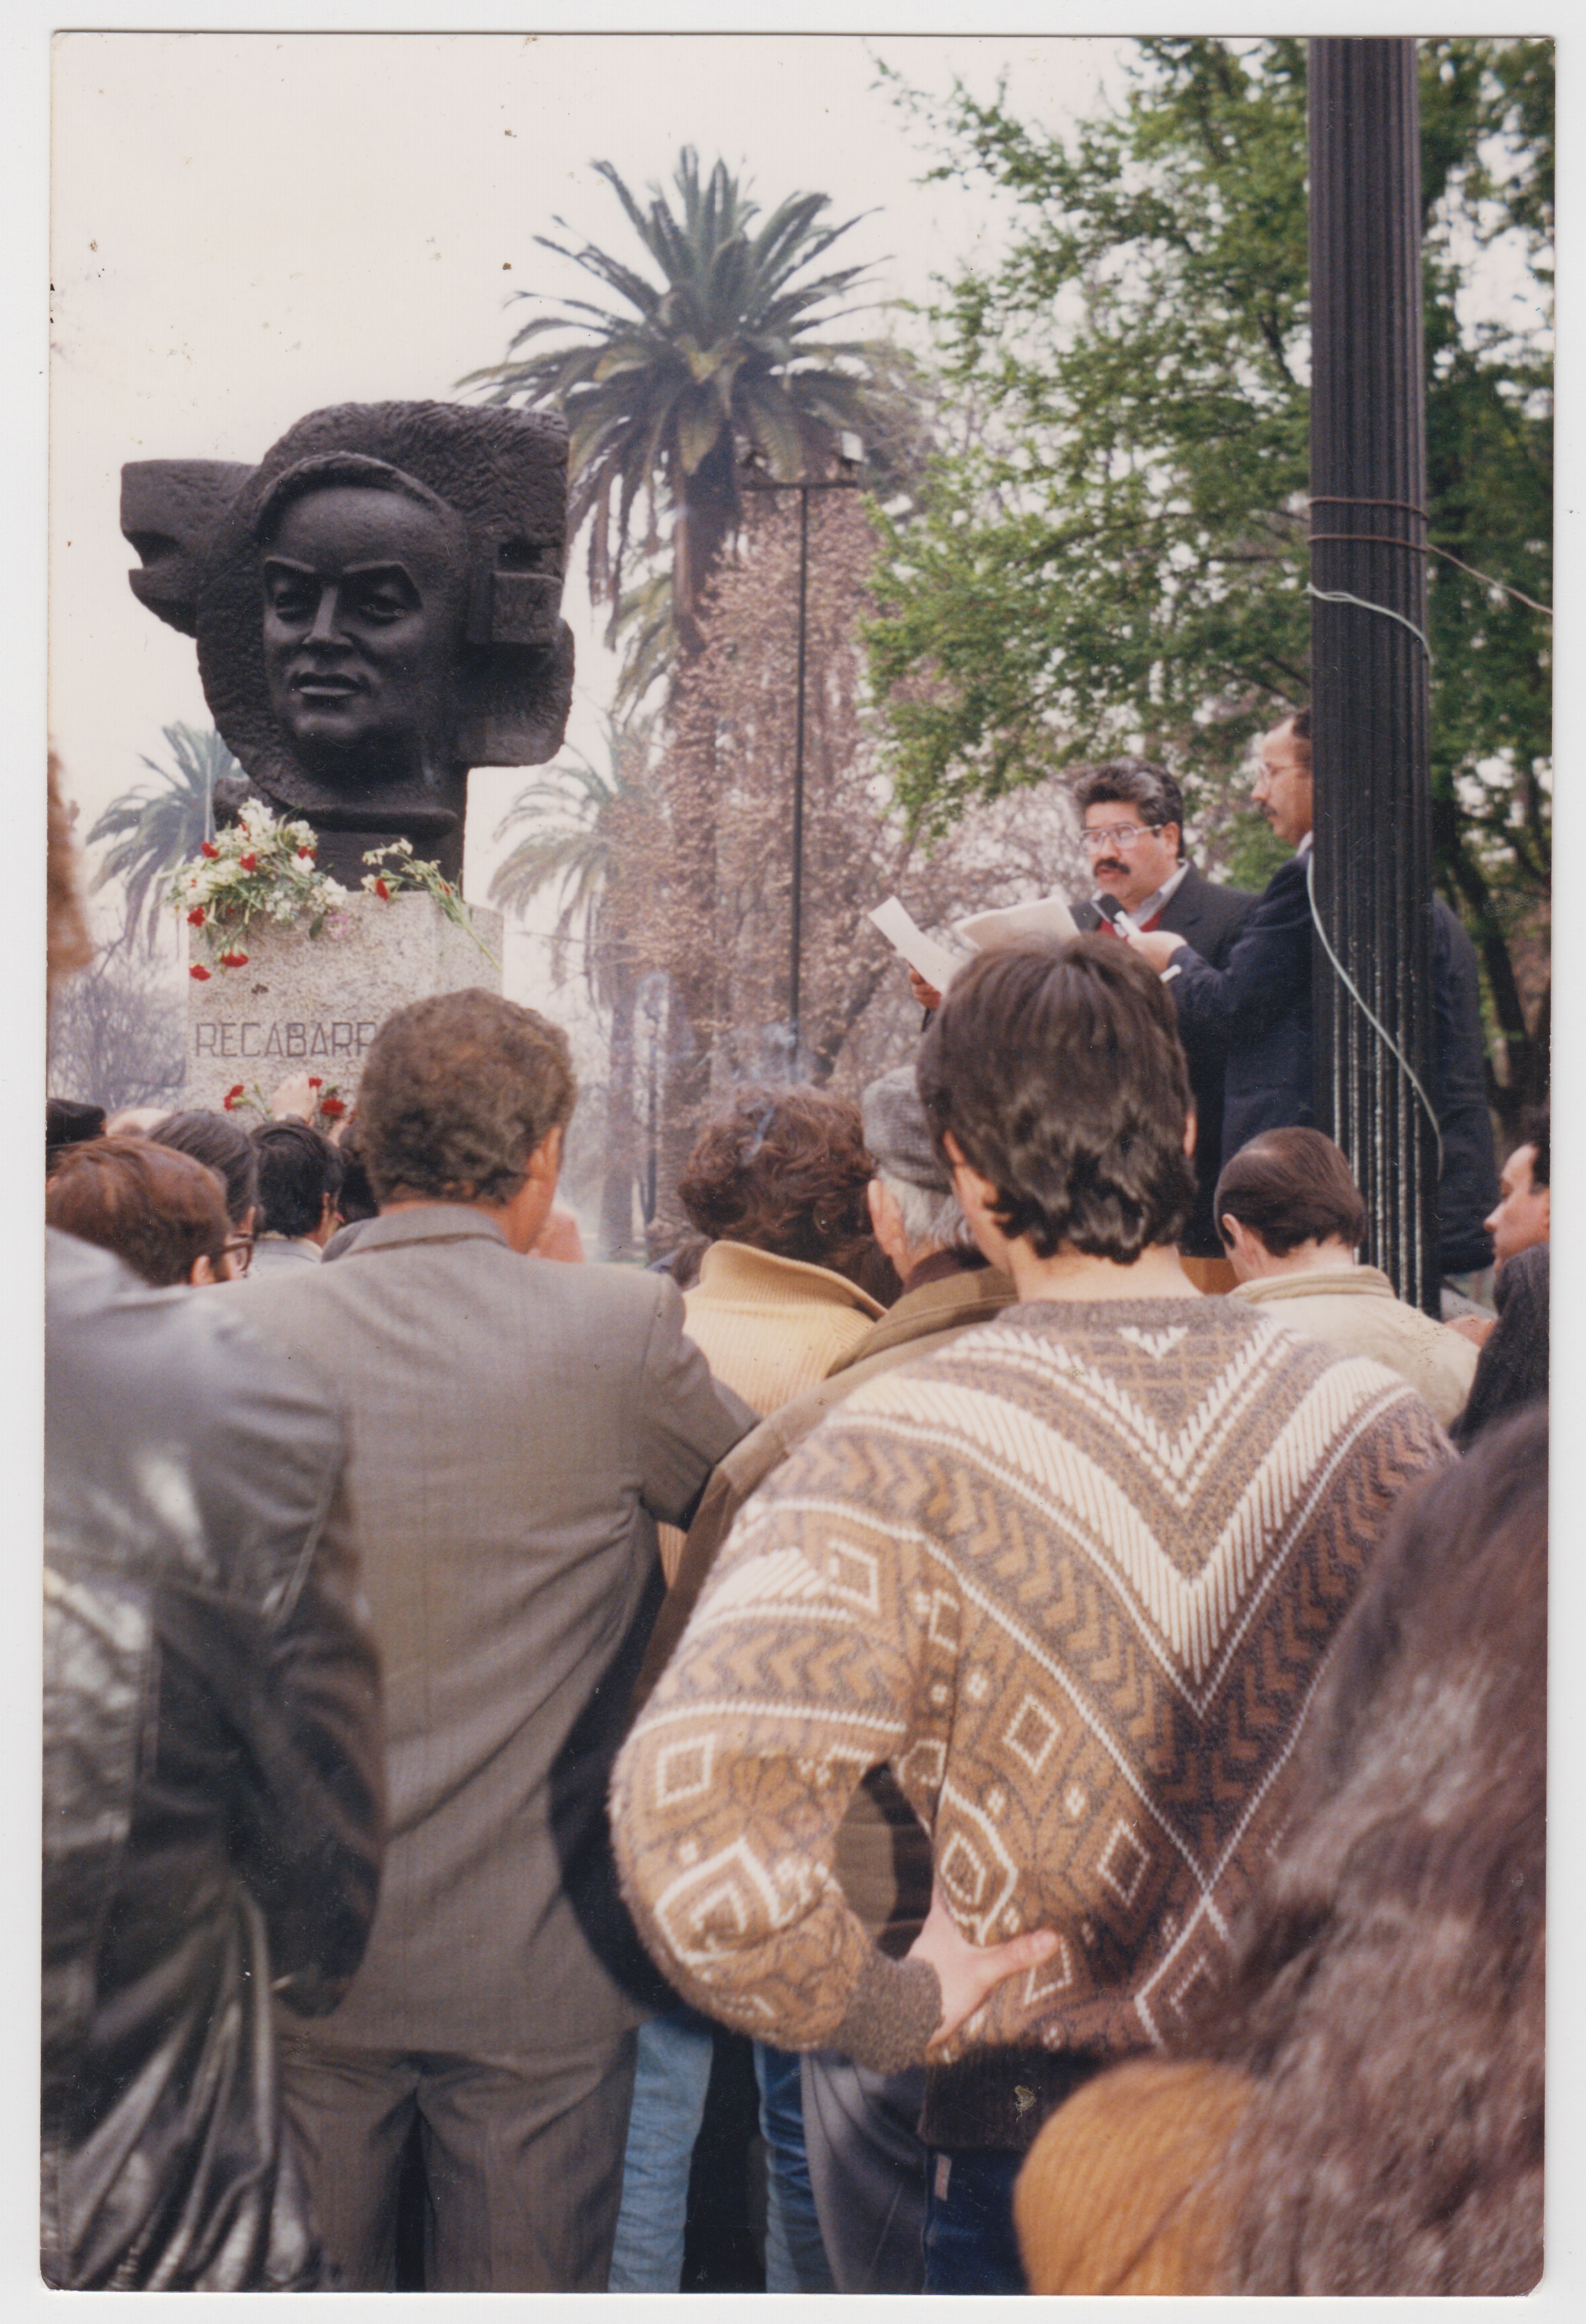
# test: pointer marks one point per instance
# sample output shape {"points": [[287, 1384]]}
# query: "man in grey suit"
{"points": [[516, 1428]]}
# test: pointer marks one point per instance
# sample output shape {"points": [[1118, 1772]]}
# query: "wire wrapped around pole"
{"points": [[1371, 659]]}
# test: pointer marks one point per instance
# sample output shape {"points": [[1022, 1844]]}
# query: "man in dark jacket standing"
{"points": [[1133, 819], [1133, 815], [212, 1783], [1257, 1009]]}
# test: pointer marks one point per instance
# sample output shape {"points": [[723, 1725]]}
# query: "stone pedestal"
{"points": [[313, 1004]]}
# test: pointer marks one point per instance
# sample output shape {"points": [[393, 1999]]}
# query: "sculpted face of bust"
{"points": [[365, 594]]}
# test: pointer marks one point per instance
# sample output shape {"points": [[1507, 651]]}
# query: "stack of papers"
{"points": [[1049, 915]]}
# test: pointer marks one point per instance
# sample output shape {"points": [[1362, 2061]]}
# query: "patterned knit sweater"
{"points": [[1074, 1578]]}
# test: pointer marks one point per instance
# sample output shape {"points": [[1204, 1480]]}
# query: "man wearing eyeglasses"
{"points": [[1133, 815]]}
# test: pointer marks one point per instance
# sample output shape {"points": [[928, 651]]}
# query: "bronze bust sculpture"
{"points": [[377, 609]]}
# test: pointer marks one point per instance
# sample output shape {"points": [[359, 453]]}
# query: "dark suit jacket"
{"points": [[515, 1428], [1258, 1009], [1208, 917]]}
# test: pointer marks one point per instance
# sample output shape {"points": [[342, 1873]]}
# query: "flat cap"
{"points": [[897, 1134]]}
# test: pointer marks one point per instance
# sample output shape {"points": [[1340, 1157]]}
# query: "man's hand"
{"points": [[966, 1973], [1159, 947], [1478, 1328], [926, 995]]}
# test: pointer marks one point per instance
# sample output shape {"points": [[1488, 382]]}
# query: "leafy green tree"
{"points": [[722, 345], [583, 836], [153, 829], [1119, 558]]}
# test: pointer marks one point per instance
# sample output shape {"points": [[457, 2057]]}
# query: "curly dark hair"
{"points": [[1059, 1071], [785, 1170], [457, 1092], [1387, 1998], [298, 1171]]}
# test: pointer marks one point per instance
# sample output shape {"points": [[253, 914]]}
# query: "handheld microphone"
{"points": [[1112, 910]]}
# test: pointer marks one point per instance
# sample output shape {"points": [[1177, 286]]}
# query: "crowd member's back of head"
{"points": [[1288, 1188], [1058, 1075], [458, 1093], [1389, 2001], [299, 1175], [159, 1210], [785, 1170], [68, 1121], [357, 1199], [217, 1141]]}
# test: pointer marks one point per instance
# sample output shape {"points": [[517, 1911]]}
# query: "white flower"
{"points": [[256, 818], [334, 892]]}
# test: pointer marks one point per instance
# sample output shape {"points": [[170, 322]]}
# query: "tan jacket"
{"points": [[919, 1322], [771, 1327], [884, 1858], [1355, 1308]]}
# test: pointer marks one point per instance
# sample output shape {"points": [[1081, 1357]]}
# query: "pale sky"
{"points": [[245, 227]]}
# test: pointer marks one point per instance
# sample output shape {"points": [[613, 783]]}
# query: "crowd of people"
{"points": [[1012, 1622]]}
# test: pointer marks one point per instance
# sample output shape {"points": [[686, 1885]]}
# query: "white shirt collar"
{"points": [[1153, 903]]}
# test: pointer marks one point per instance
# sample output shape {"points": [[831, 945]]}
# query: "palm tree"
{"points": [[586, 836], [727, 352], [155, 831]]}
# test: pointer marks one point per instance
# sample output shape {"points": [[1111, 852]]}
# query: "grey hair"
{"points": [[931, 1221]]}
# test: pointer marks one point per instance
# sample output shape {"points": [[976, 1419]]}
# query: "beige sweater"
{"points": [[768, 1328], [1072, 1578], [1355, 1308], [771, 1327]]}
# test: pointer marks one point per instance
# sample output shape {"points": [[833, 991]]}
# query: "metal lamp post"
{"points": [[1370, 659], [852, 456]]}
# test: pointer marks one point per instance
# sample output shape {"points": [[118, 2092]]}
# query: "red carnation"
{"points": [[248, 862], [207, 847], [196, 917], [232, 1095], [315, 1081], [234, 960], [200, 971], [382, 891], [332, 1108]]}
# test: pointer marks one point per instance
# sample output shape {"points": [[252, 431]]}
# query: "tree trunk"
{"points": [[622, 1146], [704, 525]]}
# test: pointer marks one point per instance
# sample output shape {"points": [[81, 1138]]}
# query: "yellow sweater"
{"points": [[768, 1328], [771, 1327]]}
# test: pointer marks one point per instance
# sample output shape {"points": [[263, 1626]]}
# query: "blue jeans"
{"points": [[970, 2244], [795, 2255], [668, 2106]]}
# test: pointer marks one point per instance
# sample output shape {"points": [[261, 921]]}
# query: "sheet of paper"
{"points": [[935, 963], [1047, 915]]}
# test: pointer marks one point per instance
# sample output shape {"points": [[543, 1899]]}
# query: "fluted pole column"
{"points": [[1370, 670]]}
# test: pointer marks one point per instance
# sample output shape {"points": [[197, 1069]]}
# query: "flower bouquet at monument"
{"points": [[259, 868], [265, 869]]}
